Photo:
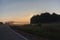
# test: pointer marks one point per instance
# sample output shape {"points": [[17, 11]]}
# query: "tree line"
{"points": [[45, 18]]}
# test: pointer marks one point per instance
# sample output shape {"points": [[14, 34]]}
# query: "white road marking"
{"points": [[19, 35], [4, 26]]}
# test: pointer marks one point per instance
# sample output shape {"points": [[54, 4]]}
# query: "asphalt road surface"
{"points": [[6, 33]]}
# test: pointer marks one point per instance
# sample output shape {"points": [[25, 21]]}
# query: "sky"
{"points": [[23, 10]]}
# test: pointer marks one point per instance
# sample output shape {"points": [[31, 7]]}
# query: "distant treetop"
{"points": [[45, 18]]}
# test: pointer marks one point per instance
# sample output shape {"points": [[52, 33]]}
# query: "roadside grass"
{"points": [[48, 31]]}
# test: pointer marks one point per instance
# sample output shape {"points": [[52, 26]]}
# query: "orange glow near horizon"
{"points": [[14, 19], [25, 19]]}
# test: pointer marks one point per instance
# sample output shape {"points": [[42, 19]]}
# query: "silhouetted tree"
{"points": [[45, 18], [35, 19]]}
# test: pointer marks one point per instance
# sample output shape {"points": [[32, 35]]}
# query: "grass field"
{"points": [[51, 31]]}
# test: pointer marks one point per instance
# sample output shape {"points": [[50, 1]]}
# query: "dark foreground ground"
{"points": [[37, 32], [27, 32], [28, 35], [6, 33], [31, 36]]}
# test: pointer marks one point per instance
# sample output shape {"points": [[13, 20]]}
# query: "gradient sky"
{"points": [[22, 10]]}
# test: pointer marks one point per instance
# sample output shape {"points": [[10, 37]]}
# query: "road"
{"points": [[6, 33]]}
